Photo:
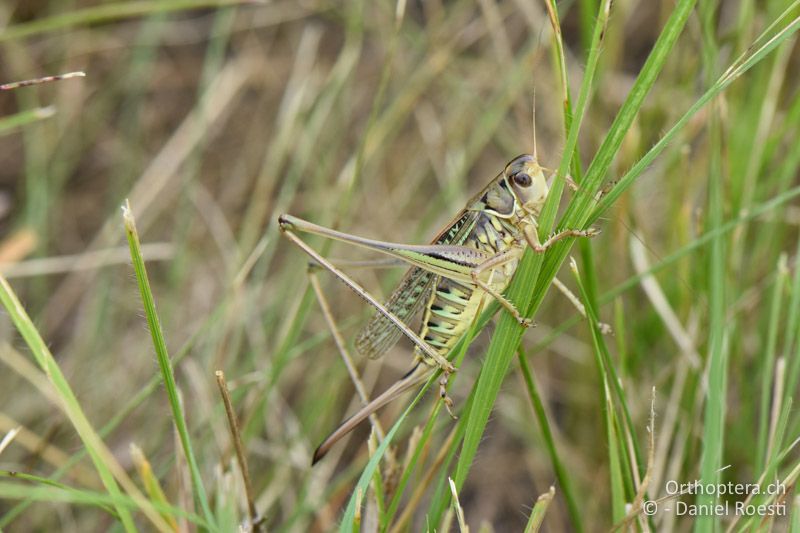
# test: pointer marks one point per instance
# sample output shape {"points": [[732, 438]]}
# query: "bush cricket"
{"points": [[475, 255]]}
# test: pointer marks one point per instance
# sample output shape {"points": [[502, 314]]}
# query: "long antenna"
{"points": [[535, 151]]}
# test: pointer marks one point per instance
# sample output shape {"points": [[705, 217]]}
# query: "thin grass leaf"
{"points": [[106, 13], [562, 474], [151, 483], [791, 339], [47, 482], [742, 64], [718, 322], [537, 515], [754, 521], [441, 495], [103, 459], [665, 262], [164, 363], [768, 363], [699, 242], [462, 524], [119, 417], [622, 425], [13, 122], [614, 433], [353, 507], [51, 494]]}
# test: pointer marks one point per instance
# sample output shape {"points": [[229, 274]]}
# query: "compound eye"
{"points": [[522, 179]]}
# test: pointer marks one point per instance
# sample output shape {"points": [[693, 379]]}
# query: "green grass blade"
{"points": [[737, 69], [768, 363], [111, 425], [791, 338], [794, 524], [164, 363], [506, 339], [48, 492], [614, 433], [758, 211], [539, 510], [104, 462], [12, 122], [106, 13], [564, 481], [573, 121], [47, 482], [578, 210], [717, 361]]}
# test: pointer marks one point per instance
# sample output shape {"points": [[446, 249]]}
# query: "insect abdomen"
{"points": [[453, 305], [450, 310]]}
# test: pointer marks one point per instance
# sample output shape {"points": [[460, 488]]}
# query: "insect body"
{"points": [[474, 256]]}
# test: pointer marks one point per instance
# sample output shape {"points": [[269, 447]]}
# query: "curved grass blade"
{"points": [[102, 458], [50, 492]]}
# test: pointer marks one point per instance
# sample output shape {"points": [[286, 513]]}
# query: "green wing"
{"points": [[379, 335]]}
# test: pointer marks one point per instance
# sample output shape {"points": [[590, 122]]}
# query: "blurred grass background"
{"points": [[382, 120]]}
